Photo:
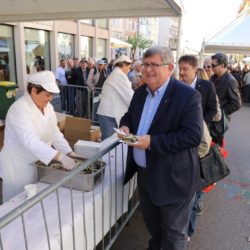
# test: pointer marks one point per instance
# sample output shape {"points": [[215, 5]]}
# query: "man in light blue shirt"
{"points": [[150, 107], [166, 117]]}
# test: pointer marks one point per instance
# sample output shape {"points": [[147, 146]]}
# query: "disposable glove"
{"points": [[68, 163], [76, 156]]}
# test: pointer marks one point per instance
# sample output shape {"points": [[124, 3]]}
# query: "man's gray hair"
{"points": [[164, 52]]}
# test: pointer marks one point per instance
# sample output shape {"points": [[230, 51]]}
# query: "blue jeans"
{"points": [[193, 217], [107, 125]]}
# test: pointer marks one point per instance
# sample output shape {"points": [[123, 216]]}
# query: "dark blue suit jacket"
{"points": [[176, 130]]}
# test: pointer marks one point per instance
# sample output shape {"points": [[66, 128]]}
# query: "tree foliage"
{"points": [[138, 41]]}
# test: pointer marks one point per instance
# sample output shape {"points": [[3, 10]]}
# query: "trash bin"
{"points": [[7, 97]]}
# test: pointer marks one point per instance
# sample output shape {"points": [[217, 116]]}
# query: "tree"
{"points": [[138, 41]]}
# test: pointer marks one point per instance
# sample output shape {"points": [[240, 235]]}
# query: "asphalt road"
{"points": [[225, 223]]}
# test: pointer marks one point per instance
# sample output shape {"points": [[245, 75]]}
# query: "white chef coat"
{"points": [[116, 95], [28, 137]]}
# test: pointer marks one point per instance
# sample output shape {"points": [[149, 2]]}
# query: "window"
{"points": [[117, 22], [88, 21], [101, 48], [65, 43], [7, 55], [37, 54], [86, 47], [102, 23]]}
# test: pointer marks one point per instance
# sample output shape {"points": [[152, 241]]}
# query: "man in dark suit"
{"points": [[80, 79], [166, 116], [188, 65]]}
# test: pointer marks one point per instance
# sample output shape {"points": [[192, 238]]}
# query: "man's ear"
{"points": [[171, 67]]}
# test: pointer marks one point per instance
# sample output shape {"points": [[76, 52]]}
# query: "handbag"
{"points": [[213, 167], [219, 128]]}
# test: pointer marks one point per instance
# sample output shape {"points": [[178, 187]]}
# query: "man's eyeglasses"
{"points": [[207, 67], [215, 65], [153, 65]]}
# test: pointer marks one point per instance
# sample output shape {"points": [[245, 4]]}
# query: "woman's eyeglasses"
{"points": [[207, 67]]}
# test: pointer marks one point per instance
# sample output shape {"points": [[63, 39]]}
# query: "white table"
{"points": [[12, 235]]}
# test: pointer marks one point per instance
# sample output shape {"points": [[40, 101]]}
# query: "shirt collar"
{"points": [[159, 91], [194, 83]]}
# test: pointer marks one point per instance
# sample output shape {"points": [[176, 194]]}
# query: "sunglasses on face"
{"points": [[215, 65], [207, 67]]}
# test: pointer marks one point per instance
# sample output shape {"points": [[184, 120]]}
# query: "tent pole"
{"points": [[202, 53], [179, 49]]}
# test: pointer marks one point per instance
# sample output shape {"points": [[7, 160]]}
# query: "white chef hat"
{"points": [[45, 79]]}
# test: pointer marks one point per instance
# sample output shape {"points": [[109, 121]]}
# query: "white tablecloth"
{"points": [[12, 235]]}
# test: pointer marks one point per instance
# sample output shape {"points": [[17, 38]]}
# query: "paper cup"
{"points": [[30, 190]]}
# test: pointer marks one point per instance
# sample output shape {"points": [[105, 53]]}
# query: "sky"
{"points": [[204, 17]]}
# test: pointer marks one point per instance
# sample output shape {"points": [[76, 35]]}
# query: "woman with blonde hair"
{"points": [[202, 74]]}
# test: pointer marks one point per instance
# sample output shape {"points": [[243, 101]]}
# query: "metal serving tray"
{"points": [[82, 181]]}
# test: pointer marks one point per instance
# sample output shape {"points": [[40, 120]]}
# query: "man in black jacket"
{"points": [[226, 87], [188, 65], [80, 79]]}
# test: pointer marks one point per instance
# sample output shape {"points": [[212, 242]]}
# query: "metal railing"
{"points": [[63, 218], [79, 101]]}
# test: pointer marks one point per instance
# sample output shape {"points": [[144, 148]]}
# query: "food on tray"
{"points": [[52, 164], [130, 138], [93, 168]]}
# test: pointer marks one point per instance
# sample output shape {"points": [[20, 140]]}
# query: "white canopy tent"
{"points": [[246, 59], [117, 43], [34, 10], [233, 39], [30, 10]]}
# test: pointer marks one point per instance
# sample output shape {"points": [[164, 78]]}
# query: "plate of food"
{"points": [[119, 131], [129, 139]]}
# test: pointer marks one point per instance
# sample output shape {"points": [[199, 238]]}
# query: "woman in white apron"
{"points": [[30, 131]]}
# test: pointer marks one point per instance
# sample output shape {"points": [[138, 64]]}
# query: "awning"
{"points": [[30, 10], [117, 43], [234, 38], [246, 59]]}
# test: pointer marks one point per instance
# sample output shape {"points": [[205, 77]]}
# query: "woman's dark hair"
{"points": [[121, 64], [38, 88]]}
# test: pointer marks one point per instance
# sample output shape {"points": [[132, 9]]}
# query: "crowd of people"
{"points": [[171, 120], [81, 83]]}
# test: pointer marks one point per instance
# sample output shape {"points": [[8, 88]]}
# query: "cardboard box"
{"points": [[61, 120], [80, 129]]}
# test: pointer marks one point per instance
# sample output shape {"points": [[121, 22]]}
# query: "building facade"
{"points": [[27, 47]]}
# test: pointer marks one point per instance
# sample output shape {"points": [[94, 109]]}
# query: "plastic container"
{"points": [[7, 97]]}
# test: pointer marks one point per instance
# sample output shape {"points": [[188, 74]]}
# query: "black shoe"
{"points": [[199, 209]]}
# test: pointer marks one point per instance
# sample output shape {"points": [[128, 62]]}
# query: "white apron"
{"points": [[16, 159]]}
